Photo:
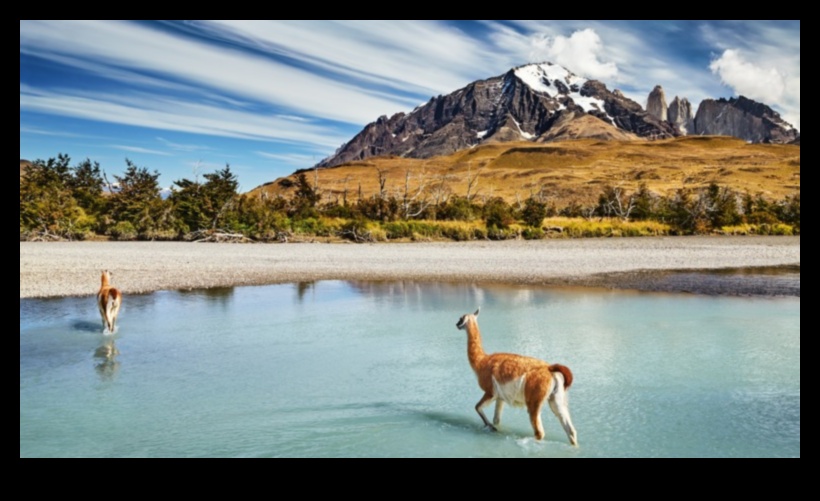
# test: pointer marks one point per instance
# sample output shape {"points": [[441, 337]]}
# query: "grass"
{"points": [[607, 227], [335, 229], [571, 171]]}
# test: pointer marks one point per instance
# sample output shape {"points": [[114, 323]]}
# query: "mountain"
{"points": [[743, 118], [525, 104]]}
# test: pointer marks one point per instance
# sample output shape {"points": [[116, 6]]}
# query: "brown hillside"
{"points": [[567, 171], [586, 127]]}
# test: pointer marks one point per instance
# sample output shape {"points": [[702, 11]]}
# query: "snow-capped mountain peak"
{"points": [[541, 77]]}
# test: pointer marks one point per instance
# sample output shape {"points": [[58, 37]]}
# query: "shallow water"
{"points": [[379, 369]]}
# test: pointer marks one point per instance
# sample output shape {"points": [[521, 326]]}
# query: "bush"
{"points": [[123, 230], [498, 214], [533, 213], [457, 209], [532, 233], [496, 233]]}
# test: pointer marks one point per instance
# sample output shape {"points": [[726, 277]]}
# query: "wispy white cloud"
{"points": [[423, 57], [117, 45], [48, 132], [167, 113], [298, 159], [139, 149], [183, 147]]}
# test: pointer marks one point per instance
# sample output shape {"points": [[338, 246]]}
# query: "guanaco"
{"points": [[109, 300], [518, 381]]}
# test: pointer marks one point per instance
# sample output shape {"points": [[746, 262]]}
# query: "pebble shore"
{"points": [[50, 269]]}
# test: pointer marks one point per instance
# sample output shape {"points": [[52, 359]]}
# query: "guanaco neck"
{"points": [[475, 352], [104, 281]]}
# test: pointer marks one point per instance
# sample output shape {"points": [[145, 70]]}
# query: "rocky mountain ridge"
{"points": [[743, 118], [538, 102], [523, 104]]}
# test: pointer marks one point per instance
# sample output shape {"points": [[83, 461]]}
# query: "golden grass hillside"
{"points": [[569, 171]]}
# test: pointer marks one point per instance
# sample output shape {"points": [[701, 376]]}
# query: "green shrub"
{"points": [[312, 226], [123, 230], [532, 233], [533, 213]]}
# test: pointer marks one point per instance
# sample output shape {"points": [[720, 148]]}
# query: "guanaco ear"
{"points": [[476, 311]]}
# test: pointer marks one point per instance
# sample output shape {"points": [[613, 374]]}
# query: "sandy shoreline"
{"points": [[73, 268]]}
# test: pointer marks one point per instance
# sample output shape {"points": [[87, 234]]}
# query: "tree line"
{"points": [[59, 200]]}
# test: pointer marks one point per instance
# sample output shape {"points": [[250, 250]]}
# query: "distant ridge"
{"points": [[541, 103], [524, 104]]}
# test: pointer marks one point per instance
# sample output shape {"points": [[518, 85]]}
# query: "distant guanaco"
{"points": [[518, 381], [109, 300]]}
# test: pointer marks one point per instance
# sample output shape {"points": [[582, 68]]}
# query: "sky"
{"points": [[186, 98]]}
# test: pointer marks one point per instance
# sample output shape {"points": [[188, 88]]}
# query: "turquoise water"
{"points": [[345, 369]]}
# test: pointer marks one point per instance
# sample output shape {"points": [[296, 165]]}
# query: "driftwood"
{"points": [[42, 236], [217, 236], [356, 236]]}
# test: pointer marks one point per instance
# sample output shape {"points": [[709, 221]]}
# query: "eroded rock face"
{"points": [[680, 115], [628, 115], [743, 118], [656, 103], [528, 102], [522, 104]]}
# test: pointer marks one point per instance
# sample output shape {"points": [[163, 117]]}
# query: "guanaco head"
{"points": [[462, 322], [106, 277]]}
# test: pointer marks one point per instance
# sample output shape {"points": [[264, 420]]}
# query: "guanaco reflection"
{"points": [[107, 365]]}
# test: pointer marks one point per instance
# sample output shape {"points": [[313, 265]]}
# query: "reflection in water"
{"points": [[302, 288], [221, 296], [424, 295], [107, 366]]}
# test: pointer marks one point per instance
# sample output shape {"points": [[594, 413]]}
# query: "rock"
{"points": [[744, 118], [656, 103], [680, 115]]}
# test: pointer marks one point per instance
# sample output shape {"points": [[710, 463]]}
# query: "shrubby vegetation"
{"points": [[63, 201]]}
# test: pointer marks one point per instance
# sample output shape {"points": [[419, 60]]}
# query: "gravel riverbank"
{"points": [[73, 268]]}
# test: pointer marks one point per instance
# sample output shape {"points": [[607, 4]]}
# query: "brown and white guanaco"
{"points": [[518, 381], [109, 300]]}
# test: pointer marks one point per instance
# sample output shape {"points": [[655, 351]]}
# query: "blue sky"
{"points": [[269, 97]]}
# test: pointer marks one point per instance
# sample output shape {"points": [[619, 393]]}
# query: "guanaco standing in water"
{"points": [[109, 299], [518, 381]]}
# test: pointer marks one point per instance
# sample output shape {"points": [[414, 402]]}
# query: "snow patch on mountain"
{"points": [[552, 79]]}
